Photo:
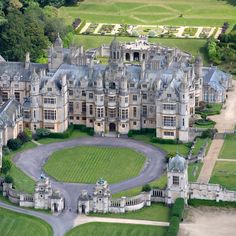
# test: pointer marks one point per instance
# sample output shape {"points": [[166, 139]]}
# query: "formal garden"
{"points": [[16, 224], [86, 164]]}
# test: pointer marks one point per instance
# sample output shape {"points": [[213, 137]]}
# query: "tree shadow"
{"points": [[231, 2]]}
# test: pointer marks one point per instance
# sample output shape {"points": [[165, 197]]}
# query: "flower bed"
{"points": [[91, 28], [106, 29], [190, 32]]}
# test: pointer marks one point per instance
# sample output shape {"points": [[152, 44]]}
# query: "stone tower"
{"points": [[177, 179], [115, 51], [184, 109], [101, 197], [198, 64], [43, 192]]}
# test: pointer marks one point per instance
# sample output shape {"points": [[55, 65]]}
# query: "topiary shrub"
{"points": [[8, 179], [6, 166], [209, 133], [14, 144], [146, 188]]}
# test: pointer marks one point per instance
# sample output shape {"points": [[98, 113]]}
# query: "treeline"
{"points": [[223, 50], [27, 27]]}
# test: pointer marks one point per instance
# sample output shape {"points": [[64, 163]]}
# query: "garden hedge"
{"points": [[174, 226], [178, 208]]}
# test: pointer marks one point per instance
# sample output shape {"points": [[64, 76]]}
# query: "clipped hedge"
{"points": [[142, 131], [64, 135], [205, 122], [14, 144], [209, 133], [164, 141], [178, 208], [213, 203], [174, 226]]}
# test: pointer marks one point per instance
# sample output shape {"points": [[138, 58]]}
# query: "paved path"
{"points": [[227, 118], [210, 160], [224, 122], [228, 160], [32, 161]]}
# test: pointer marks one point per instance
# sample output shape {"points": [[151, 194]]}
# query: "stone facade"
{"points": [[144, 85], [44, 196]]}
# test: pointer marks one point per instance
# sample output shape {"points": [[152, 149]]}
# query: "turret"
{"points": [[115, 51], [124, 84], [58, 44]]}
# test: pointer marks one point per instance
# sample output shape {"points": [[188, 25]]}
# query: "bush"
{"points": [[14, 144], [178, 208], [8, 179], [24, 137], [174, 226], [6, 166], [209, 133], [146, 188], [5, 150], [42, 133], [63, 135], [168, 156]]}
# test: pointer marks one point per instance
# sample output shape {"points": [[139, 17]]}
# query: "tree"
{"points": [[6, 166], [8, 179], [146, 188], [15, 4]]}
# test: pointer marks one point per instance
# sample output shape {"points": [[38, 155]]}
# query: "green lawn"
{"points": [[22, 182], [169, 148], [15, 224], [159, 183], [86, 164], [224, 173], [111, 229], [194, 171], [199, 143], [75, 134], [228, 151], [194, 13], [156, 212]]}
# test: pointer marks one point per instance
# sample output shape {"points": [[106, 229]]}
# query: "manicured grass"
{"points": [[169, 148], [200, 142], [16, 224], [224, 173], [159, 183], [156, 212], [194, 171], [194, 13], [22, 182], [75, 134], [86, 164], [111, 229], [228, 151]]}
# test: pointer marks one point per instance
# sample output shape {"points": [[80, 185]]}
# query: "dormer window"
{"points": [[49, 89], [131, 85], [168, 95]]}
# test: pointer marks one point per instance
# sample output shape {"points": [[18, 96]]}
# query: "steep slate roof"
{"points": [[6, 112], [177, 164]]}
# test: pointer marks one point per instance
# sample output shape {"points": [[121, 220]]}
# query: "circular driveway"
{"points": [[31, 162]]}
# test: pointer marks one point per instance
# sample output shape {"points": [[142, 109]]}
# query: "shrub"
{"points": [[24, 137], [130, 134], [6, 166], [42, 132], [8, 179], [209, 133], [168, 156], [146, 188], [14, 144], [178, 208]]}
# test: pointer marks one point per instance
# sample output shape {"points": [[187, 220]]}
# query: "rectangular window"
{"points": [[176, 180], [169, 121], [112, 113], [135, 98], [100, 112], [71, 107], [17, 96], [83, 106], [101, 98], [144, 112], [4, 97], [50, 115], [26, 114], [134, 111], [124, 114], [167, 133], [83, 93], [49, 89], [126, 99], [90, 95], [111, 98], [169, 107], [71, 92], [91, 109], [144, 96], [49, 100]]}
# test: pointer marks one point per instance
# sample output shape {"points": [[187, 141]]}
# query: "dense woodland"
{"points": [[30, 26]]}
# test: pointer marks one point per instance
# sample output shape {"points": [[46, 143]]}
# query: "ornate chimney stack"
{"points": [[27, 60]]}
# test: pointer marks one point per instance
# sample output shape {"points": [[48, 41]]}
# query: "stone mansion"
{"points": [[144, 85]]}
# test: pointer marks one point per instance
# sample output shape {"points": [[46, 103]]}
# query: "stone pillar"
{"points": [[5, 188], [147, 198], [122, 204]]}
